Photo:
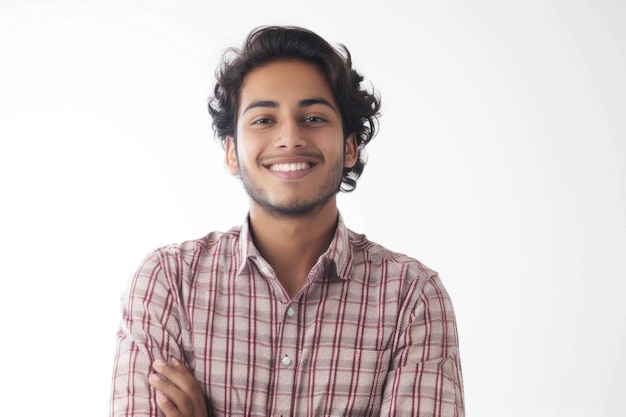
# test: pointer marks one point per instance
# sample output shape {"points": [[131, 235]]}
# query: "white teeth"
{"points": [[298, 166]]}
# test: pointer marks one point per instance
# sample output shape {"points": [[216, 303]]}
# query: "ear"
{"points": [[351, 151], [231, 156]]}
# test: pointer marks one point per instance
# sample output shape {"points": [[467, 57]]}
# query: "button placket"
{"points": [[290, 312], [286, 359]]}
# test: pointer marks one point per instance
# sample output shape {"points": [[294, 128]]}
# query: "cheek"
{"points": [[333, 147], [249, 151]]}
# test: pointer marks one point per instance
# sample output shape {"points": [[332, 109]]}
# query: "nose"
{"points": [[290, 135]]}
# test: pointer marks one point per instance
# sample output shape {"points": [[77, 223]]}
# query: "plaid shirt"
{"points": [[372, 333]]}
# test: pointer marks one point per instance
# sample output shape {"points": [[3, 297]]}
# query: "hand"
{"points": [[178, 392]]}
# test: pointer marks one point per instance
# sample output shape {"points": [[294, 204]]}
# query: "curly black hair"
{"points": [[360, 108]]}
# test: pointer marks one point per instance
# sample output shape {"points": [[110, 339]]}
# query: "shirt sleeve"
{"points": [[150, 329], [425, 377]]}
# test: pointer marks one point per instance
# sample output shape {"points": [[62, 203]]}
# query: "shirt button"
{"points": [[286, 361], [290, 312]]}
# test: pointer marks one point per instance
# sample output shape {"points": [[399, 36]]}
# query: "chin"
{"points": [[293, 209]]}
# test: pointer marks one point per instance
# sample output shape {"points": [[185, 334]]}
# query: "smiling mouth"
{"points": [[297, 166]]}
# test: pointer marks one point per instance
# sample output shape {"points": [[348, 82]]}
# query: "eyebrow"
{"points": [[313, 101], [302, 103]]}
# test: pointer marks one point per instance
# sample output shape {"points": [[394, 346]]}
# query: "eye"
{"points": [[314, 119], [262, 121]]}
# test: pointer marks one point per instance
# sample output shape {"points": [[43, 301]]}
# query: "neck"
{"points": [[292, 245]]}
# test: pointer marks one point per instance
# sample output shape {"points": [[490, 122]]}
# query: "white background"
{"points": [[500, 163]]}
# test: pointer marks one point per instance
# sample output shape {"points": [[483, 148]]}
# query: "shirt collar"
{"points": [[339, 251]]}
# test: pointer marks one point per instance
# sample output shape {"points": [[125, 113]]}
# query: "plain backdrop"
{"points": [[500, 163]]}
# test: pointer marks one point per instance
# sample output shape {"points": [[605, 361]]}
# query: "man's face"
{"points": [[290, 149]]}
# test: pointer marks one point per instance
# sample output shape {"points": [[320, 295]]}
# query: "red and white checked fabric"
{"points": [[372, 333]]}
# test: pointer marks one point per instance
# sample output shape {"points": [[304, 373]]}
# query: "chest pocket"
{"points": [[349, 382]]}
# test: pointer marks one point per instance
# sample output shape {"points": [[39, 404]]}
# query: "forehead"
{"points": [[285, 82]]}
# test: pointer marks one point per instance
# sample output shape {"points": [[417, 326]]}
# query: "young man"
{"points": [[290, 314]]}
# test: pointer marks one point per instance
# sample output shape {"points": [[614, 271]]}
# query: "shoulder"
{"points": [[189, 249], [405, 281], [182, 261], [395, 263]]}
